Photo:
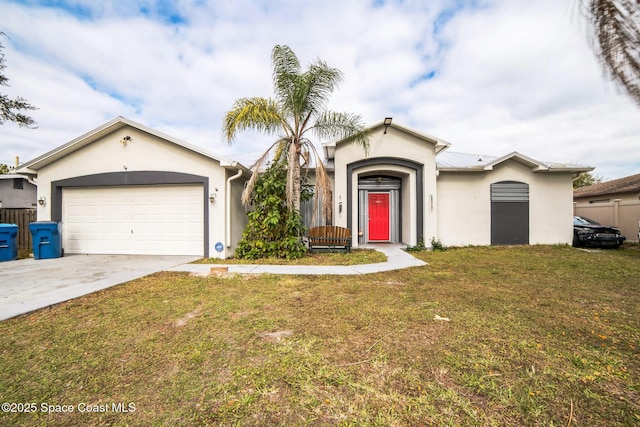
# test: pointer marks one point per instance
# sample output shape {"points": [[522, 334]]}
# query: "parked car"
{"points": [[587, 232]]}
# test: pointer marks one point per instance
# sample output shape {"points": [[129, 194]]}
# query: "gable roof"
{"points": [[32, 166], [441, 144], [463, 162], [628, 184]]}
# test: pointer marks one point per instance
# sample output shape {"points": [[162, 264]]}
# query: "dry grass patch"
{"points": [[354, 257], [537, 336]]}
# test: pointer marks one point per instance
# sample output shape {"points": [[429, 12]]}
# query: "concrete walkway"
{"points": [[397, 259]]}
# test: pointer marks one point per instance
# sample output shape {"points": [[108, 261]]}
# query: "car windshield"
{"points": [[580, 220]]}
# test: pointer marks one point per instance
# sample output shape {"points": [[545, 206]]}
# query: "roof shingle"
{"points": [[628, 184]]}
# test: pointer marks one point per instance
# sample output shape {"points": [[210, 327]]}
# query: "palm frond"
{"points": [[616, 40], [342, 126], [321, 81], [302, 95], [286, 70], [261, 114], [313, 90], [284, 61]]}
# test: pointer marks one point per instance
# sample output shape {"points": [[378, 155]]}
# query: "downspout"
{"points": [[228, 204]]}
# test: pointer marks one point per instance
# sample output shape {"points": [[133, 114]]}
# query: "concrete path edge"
{"points": [[397, 258]]}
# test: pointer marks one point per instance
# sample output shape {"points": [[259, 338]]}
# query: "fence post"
{"points": [[616, 212]]}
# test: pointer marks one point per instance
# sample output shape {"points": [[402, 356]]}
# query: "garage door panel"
{"points": [[161, 220]]}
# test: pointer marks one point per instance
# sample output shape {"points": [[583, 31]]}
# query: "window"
{"points": [[18, 183]]}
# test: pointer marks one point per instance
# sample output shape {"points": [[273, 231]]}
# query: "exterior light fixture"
{"points": [[387, 123], [124, 140], [42, 201], [212, 197]]}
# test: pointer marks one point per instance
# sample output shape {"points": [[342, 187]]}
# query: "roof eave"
{"points": [[549, 169], [461, 169], [32, 166], [440, 144], [572, 169]]}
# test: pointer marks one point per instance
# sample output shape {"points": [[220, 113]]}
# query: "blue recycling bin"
{"points": [[8, 242], [46, 239]]}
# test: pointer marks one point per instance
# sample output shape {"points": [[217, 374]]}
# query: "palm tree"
{"points": [[616, 40], [297, 111]]}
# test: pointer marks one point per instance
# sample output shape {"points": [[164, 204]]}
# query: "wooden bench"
{"points": [[329, 238]]}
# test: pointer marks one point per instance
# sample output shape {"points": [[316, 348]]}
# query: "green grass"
{"points": [[540, 335], [355, 256]]}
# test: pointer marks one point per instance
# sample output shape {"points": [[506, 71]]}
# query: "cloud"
{"points": [[490, 77]]}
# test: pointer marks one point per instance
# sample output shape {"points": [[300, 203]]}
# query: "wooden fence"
{"points": [[22, 218], [622, 214]]}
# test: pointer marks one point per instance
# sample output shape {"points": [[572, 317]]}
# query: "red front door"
{"points": [[378, 216]]}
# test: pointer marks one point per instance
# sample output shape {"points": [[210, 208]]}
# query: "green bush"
{"points": [[273, 229], [417, 248], [437, 245]]}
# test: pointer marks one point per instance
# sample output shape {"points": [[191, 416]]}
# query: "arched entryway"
{"points": [[379, 208], [395, 186]]}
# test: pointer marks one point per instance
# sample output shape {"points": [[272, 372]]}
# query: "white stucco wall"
{"points": [[395, 144], [144, 152], [464, 205]]}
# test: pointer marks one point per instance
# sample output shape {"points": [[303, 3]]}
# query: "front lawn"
{"points": [[542, 335]]}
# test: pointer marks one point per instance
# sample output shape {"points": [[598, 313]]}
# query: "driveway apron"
{"points": [[29, 284]]}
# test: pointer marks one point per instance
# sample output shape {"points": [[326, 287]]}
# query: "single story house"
{"points": [[125, 188], [17, 192], [626, 189]]}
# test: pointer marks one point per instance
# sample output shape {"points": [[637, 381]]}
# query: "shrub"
{"points": [[273, 229], [417, 248], [437, 245]]}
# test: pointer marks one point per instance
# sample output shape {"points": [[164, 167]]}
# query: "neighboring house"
{"points": [[125, 188], [17, 192], [625, 189], [615, 202]]}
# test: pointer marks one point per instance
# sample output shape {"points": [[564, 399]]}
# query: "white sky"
{"points": [[488, 76]]}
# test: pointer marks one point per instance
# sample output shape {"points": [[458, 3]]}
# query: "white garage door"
{"points": [[144, 220]]}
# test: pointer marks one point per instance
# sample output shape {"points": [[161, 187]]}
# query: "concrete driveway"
{"points": [[28, 284]]}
